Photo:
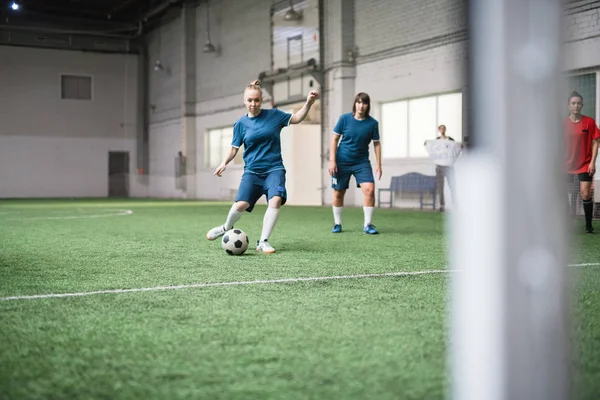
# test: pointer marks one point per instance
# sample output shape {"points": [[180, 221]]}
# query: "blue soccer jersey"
{"points": [[356, 137], [260, 136]]}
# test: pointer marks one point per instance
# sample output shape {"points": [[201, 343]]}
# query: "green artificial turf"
{"points": [[356, 338]]}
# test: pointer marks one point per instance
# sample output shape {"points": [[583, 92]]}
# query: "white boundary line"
{"points": [[240, 283], [245, 283], [585, 265], [117, 213]]}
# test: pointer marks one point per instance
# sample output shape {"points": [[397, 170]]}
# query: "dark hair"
{"points": [[439, 127], [575, 94], [363, 98]]}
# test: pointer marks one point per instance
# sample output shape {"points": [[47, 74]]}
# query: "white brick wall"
{"points": [[583, 24], [582, 36], [385, 24], [412, 75]]}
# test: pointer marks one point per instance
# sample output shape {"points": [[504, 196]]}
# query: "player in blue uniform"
{"points": [[349, 155], [264, 173]]}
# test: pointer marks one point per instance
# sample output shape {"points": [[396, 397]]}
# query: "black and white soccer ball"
{"points": [[235, 242]]}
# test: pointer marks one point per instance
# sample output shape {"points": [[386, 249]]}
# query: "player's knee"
{"points": [[241, 206], [339, 194], [368, 190], [275, 202], [586, 194], [585, 190]]}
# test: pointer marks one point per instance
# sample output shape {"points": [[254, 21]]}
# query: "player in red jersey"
{"points": [[581, 138]]}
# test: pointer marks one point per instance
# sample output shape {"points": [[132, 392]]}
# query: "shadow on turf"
{"points": [[248, 253]]}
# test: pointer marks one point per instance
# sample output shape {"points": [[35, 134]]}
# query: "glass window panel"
{"points": [[214, 147], [394, 130], [225, 145], [449, 111], [227, 138], [421, 124]]}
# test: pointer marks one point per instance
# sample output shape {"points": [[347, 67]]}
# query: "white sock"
{"points": [[368, 215], [269, 222], [233, 217], [337, 215]]}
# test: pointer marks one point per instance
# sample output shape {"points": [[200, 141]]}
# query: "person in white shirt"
{"points": [[443, 151]]}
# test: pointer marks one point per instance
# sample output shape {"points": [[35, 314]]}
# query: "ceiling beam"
{"points": [[64, 22]]}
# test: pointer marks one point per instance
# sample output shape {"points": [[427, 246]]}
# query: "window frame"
{"points": [[79, 76]]}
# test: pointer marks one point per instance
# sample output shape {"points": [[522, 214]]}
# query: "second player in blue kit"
{"points": [[349, 156]]}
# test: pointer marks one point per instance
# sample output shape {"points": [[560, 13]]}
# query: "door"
{"points": [[118, 174]]}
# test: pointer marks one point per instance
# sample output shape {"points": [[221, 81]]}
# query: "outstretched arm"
{"points": [[303, 112], [592, 167], [378, 170], [230, 156], [332, 153]]}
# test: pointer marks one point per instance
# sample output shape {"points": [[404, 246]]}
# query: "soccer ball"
{"points": [[235, 242]]}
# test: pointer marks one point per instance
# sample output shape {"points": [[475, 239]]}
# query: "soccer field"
{"points": [[144, 306]]}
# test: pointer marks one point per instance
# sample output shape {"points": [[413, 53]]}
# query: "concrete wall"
{"points": [[54, 147]]}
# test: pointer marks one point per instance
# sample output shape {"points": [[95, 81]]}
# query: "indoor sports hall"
{"points": [[115, 115]]}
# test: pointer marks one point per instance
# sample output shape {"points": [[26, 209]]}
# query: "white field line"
{"points": [[585, 265], [245, 283], [239, 283], [116, 213]]}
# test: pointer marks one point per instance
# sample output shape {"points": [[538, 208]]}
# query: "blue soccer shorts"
{"points": [[363, 173], [253, 186]]}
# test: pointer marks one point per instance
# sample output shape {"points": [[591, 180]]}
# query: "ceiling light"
{"points": [[291, 14], [208, 47]]}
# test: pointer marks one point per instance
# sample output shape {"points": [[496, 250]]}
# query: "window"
{"points": [[407, 124], [76, 87], [585, 85], [218, 143]]}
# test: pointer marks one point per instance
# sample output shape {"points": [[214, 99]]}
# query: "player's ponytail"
{"points": [[255, 85]]}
